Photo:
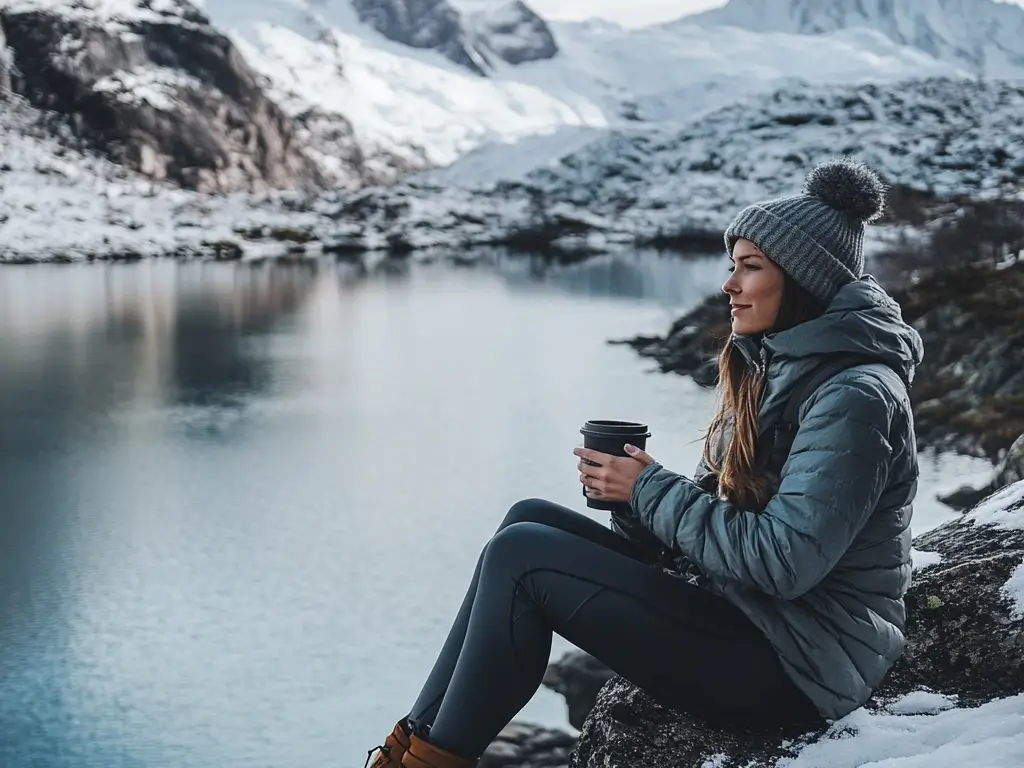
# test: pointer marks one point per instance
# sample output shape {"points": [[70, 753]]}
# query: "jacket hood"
{"points": [[862, 319]]}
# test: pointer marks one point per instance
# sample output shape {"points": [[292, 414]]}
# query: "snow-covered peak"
{"points": [[983, 36], [417, 104]]}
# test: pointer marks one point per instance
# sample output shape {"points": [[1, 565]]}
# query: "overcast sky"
{"points": [[629, 13]]}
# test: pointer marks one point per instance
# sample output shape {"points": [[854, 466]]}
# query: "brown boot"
{"points": [[423, 754], [389, 754]]}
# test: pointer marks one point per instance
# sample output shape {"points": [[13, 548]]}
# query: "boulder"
{"points": [[965, 640], [158, 90], [522, 745], [628, 728]]}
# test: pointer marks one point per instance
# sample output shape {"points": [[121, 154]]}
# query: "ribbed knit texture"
{"points": [[820, 247]]}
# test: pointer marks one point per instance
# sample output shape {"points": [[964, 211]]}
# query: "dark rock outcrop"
{"points": [[1010, 470], [432, 24], [969, 392], [162, 92], [521, 745], [964, 636], [511, 32], [514, 33]]}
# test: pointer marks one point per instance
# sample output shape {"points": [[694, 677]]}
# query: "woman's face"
{"points": [[754, 288]]}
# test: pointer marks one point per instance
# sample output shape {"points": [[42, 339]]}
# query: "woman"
{"points": [[784, 601]]}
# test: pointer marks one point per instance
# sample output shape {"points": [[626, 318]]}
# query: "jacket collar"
{"points": [[753, 350]]}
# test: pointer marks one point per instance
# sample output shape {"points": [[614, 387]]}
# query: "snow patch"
{"points": [[922, 703], [991, 735], [922, 560], [1014, 590], [156, 86], [1002, 509]]}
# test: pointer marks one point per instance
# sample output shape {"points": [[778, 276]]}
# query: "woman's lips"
{"points": [[739, 307]]}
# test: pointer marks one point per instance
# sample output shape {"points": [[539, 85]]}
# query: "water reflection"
{"points": [[647, 275]]}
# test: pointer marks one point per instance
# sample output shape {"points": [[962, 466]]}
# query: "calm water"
{"points": [[239, 504]]}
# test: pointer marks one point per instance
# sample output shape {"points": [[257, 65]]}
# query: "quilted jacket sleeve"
{"points": [[834, 476]]}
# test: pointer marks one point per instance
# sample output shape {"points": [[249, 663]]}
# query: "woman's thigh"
{"points": [[689, 648], [548, 513]]}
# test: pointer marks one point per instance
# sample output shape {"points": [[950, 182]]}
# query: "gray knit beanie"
{"points": [[817, 237]]}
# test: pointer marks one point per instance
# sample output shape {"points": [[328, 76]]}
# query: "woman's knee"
{"points": [[530, 511], [510, 547]]}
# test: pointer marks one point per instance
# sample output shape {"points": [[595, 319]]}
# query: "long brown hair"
{"points": [[740, 388]]}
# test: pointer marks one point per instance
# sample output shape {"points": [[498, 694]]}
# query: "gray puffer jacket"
{"points": [[823, 568]]}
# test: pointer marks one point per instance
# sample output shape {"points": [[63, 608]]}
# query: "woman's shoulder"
{"points": [[865, 386]]}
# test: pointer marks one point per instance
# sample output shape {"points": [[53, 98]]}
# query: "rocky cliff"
{"points": [[157, 89]]}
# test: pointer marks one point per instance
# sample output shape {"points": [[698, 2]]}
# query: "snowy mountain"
{"points": [[982, 36], [417, 105]]}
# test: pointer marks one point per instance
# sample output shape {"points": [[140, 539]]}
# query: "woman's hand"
{"points": [[607, 477]]}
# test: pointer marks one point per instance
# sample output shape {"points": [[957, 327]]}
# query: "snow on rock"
{"points": [[112, 11], [922, 560], [1001, 509], [659, 185], [134, 79], [512, 32], [984, 36], [66, 204], [477, 40], [990, 735], [432, 24], [1014, 591]]}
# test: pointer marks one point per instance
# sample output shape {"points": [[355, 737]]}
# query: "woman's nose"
{"points": [[729, 286]]}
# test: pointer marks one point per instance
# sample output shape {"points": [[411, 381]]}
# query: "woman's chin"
{"points": [[745, 329]]}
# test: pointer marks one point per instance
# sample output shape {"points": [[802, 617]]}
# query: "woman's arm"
{"points": [[832, 480]]}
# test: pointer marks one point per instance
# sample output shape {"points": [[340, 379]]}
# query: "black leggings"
{"points": [[550, 569]]}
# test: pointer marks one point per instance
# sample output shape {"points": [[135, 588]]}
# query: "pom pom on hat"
{"points": [[848, 186], [817, 236]]}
